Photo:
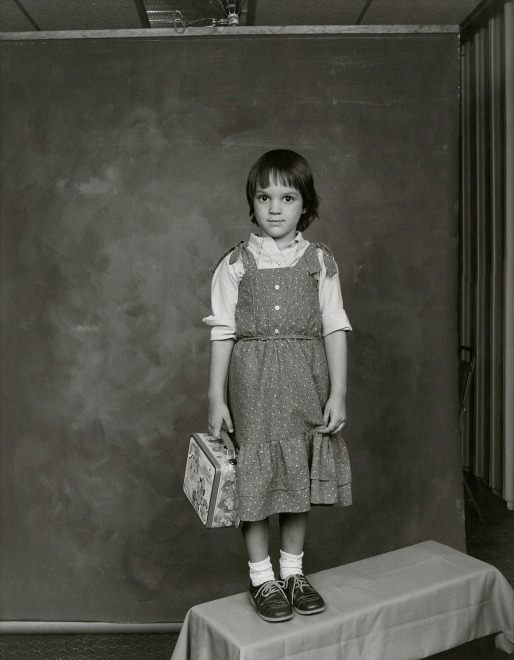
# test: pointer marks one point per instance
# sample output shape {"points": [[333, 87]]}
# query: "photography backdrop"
{"points": [[123, 166]]}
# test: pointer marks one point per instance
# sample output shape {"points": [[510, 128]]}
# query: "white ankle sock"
{"points": [[261, 571], [290, 564]]}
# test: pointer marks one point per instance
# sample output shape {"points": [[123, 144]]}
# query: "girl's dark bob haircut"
{"points": [[288, 168]]}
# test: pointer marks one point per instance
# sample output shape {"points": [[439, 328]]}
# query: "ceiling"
{"points": [[51, 15]]}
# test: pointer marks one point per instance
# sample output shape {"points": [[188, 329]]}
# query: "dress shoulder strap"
{"points": [[328, 258], [237, 252], [310, 257]]}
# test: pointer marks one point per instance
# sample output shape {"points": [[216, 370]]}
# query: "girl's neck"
{"points": [[282, 242]]}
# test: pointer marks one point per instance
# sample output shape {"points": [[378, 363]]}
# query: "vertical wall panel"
{"points": [[466, 240], [497, 230], [509, 257], [487, 243], [482, 270]]}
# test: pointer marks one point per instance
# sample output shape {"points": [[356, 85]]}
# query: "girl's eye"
{"points": [[262, 198], [288, 198]]}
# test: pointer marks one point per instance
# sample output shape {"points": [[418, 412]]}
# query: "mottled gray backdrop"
{"points": [[123, 170]]}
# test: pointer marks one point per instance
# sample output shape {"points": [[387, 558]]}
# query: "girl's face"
{"points": [[277, 210]]}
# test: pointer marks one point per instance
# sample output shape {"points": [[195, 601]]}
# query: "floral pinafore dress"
{"points": [[278, 386]]}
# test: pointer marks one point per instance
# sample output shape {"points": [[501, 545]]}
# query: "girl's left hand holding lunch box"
{"points": [[219, 415]]}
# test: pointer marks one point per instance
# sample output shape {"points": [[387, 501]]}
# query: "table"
{"points": [[402, 605]]}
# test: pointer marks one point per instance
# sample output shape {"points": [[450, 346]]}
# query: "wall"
{"points": [[123, 170]]}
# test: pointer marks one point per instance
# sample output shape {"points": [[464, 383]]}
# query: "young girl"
{"points": [[279, 337]]}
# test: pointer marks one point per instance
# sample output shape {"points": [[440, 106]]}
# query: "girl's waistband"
{"points": [[267, 337]]}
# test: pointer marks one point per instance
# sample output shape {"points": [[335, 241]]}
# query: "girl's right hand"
{"points": [[219, 414]]}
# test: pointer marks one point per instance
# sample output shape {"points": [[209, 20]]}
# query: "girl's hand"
{"points": [[334, 415], [219, 413]]}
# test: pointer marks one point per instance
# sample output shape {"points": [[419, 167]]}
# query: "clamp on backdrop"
{"points": [[229, 15]]}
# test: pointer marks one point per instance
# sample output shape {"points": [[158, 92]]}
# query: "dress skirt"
{"points": [[278, 387]]}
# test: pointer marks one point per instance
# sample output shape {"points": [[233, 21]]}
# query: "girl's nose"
{"points": [[275, 207]]}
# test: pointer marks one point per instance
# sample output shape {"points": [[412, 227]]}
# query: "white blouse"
{"points": [[225, 286]]}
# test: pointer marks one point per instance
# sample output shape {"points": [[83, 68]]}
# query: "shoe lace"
{"points": [[299, 582], [268, 588]]}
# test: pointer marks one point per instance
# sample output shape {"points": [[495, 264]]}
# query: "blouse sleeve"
{"points": [[224, 294], [333, 314]]}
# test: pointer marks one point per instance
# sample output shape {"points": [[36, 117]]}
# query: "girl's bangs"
{"points": [[275, 176]]}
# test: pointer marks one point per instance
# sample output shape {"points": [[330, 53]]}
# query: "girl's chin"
{"points": [[278, 231]]}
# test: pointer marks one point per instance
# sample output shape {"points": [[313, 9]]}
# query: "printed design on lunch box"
{"points": [[210, 481], [199, 479], [226, 509]]}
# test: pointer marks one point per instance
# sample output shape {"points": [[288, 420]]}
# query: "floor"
{"points": [[491, 540]]}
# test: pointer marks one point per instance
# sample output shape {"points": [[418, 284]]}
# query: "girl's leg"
{"points": [[255, 535], [292, 531], [292, 535], [266, 593], [301, 594]]}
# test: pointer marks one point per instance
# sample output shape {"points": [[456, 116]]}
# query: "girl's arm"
{"points": [[221, 352], [334, 414]]}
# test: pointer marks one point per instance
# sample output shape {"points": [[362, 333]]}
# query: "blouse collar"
{"points": [[258, 242]]}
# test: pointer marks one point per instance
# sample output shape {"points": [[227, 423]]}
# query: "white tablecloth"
{"points": [[402, 605]]}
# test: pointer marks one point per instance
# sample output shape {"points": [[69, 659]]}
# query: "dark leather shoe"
{"points": [[302, 595], [271, 602]]}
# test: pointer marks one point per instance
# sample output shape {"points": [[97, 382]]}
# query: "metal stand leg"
{"points": [[467, 351], [474, 503]]}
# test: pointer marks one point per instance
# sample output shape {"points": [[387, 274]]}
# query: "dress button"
{"points": [[277, 286], [277, 307], [278, 263], [276, 331]]}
